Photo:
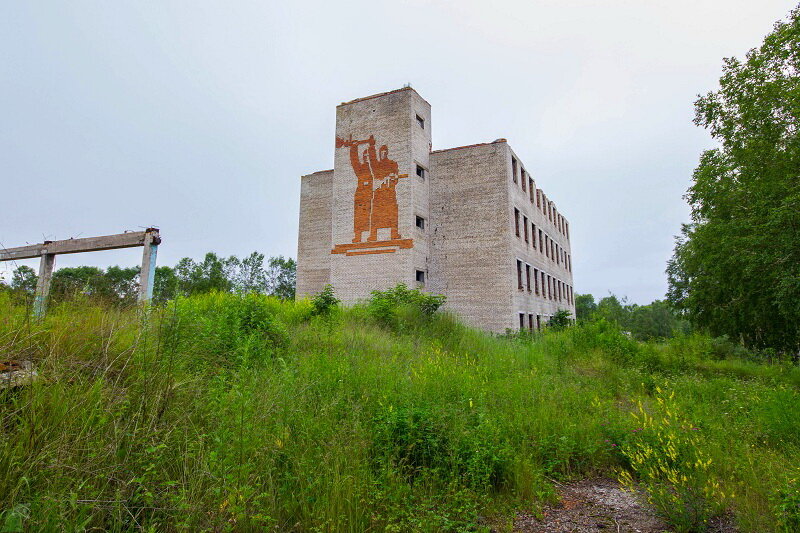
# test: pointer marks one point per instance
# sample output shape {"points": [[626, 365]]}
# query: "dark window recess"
{"points": [[514, 169], [530, 322], [525, 227], [528, 276], [522, 176], [519, 274], [421, 122], [522, 321], [420, 222], [420, 172], [516, 221], [420, 276]]}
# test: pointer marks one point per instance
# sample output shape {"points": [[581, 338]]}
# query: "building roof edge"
{"points": [[385, 93], [501, 140]]}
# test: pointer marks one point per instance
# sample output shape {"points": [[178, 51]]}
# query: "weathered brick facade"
{"points": [[467, 222]]}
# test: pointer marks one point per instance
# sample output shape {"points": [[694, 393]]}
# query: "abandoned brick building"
{"points": [[469, 222]]}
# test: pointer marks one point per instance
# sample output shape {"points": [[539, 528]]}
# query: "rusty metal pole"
{"points": [[46, 265]]}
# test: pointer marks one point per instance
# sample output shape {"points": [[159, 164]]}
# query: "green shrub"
{"points": [[226, 329], [560, 320], [786, 504], [324, 302], [412, 439], [400, 305], [667, 456]]}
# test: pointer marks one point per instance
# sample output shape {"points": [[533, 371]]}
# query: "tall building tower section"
{"points": [[466, 222], [377, 193]]}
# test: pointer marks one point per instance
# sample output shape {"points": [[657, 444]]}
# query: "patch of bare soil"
{"points": [[594, 505], [603, 506]]}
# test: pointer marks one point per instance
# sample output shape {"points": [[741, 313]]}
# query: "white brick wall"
{"points": [[469, 247]]}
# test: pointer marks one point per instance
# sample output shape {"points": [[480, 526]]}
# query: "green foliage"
{"points": [[113, 285], [665, 453], [786, 501], [736, 267], [227, 330], [391, 306], [654, 321], [325, 302], [236, 412], [281, 277], [24, 279], [585, 306], [120, 286], [560, 319]]}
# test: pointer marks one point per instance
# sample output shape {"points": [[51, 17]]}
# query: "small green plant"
{"points": [[786, 504], [667, 457], [324, 302], [399, 305], [560, 320]]}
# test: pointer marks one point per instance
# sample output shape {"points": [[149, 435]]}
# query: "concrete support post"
{"points": [[46, 265], [148, 271]]}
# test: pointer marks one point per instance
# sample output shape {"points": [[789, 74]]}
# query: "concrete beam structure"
{"points": [[47, 251]]}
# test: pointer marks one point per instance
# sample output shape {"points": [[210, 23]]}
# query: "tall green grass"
{"points": [[240, 413]]}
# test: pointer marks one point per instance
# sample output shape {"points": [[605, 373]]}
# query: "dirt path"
{"points": [[602, 506], [594, 505]]}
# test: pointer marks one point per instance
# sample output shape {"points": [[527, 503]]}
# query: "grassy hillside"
{"points": [[224, 412]]}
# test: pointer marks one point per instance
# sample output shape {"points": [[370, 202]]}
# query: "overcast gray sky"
{"points": [[199, 117]]}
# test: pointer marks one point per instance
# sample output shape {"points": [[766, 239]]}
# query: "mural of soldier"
{"points": [[375, 199]]}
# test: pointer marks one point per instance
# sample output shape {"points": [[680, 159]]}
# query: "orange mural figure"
{"points": [[375, 199]]}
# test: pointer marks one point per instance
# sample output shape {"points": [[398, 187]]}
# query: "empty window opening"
{"points": [[539, 198], [420, 222], [540, 240], [530, 322], [514, 169], [522, 321], [536, 281], [547, 245], [516, 220], [421, 276], [420, 171], [544, 287], [528, 276], [525, 227], [519, 274], [538, 321], [531, 188], [522, 177], [421, 122]]}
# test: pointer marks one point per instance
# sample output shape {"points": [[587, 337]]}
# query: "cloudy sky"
{"points": [[199, 117]]}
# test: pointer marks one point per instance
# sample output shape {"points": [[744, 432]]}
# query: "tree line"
{"points": [[736, 266], [654, 321], [120, 285]]}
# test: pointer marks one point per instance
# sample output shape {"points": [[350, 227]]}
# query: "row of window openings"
{"points": [[546, 245], [551, 288], [533, 326], [548, 208]]}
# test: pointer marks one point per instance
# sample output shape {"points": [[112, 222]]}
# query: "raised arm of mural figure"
{"points": [[355, 160]]}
